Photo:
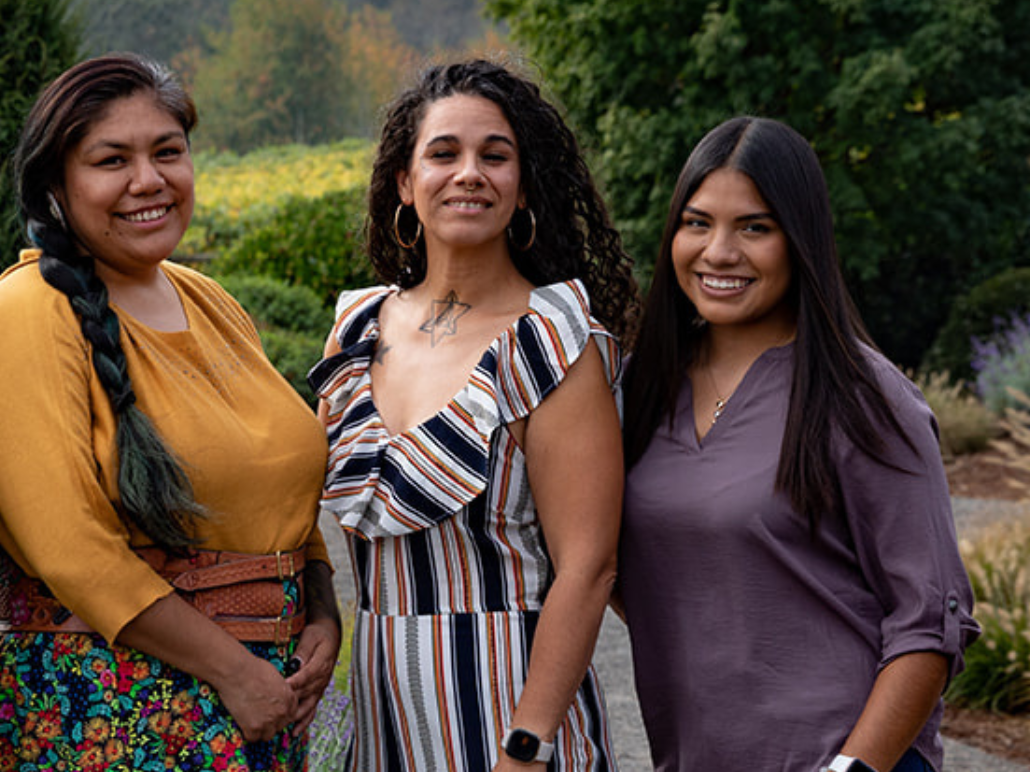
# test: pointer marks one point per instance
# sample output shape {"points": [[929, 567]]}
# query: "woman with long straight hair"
{"points": [[788, 566]]}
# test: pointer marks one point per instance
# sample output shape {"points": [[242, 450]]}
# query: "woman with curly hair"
{"points": [[475, 456]]}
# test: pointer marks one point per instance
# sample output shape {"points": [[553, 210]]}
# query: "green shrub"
{"points": [[975, 315], [311, 242], [997, 673], [966, 425], [275, 304]]}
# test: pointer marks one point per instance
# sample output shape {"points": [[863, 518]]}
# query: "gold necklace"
{"points": [[720, 403]]}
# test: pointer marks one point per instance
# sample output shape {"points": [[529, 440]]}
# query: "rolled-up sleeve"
{"points": [[899, 513]]}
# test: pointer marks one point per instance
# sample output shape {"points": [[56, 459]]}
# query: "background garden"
{"points": [[918, 109]]}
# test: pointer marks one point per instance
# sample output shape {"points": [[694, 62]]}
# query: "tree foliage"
{"points": [[157, 28], [918, 109], [274, 76], [38, 40]]}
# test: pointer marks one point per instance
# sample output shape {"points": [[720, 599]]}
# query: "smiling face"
{"points": [[463, 177], [128, 187], [731, 257]]}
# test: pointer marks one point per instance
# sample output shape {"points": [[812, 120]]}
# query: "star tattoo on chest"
{"points": [[444, 318]]}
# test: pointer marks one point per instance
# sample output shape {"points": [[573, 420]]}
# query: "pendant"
{"points": [[719, 406]]}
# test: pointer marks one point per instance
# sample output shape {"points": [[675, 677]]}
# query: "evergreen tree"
{"points": [[39, 40]]}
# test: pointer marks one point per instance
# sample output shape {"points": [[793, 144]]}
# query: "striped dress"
{"points": [[447, 549]]}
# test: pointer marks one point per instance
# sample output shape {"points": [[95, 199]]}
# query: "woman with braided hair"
{"points": [[167, 595], [475, 451]]}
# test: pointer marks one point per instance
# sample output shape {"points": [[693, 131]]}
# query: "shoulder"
{"points": [[563, 310], [205, 295], [355, 309], [30, 305], [898, 389], [545, 345], [195, 282]]}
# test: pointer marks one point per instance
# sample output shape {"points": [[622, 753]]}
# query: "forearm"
{"points": [[320, 596], [902, 699], [176, 633], [562, 648], [251, 689]]}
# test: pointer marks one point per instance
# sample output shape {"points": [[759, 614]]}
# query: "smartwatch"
{"points": [[843, 762], [525, 746]]}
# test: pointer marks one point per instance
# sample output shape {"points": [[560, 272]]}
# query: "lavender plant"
{"points": [[1001, 362], [331, 731]]}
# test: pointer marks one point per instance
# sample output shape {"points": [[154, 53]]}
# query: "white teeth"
{"points": [[467, 205], [147, 216], [724, 283]]}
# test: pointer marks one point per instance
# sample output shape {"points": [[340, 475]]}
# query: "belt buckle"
{"points": [[280, 563]]}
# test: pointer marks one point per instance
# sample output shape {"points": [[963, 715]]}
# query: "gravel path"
{"points": [[615, 667]]}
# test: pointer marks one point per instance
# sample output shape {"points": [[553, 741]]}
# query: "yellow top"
{"points": [[254, 451]]}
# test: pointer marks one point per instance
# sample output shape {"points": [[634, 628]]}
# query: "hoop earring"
{"points": [[397, 230], [532, 232], [55, 210]]}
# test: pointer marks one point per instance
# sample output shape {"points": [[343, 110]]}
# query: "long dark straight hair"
{"points": [[155, 492], [833, 385]]}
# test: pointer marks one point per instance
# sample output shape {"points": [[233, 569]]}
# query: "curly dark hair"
{"points": [[575, 238]]}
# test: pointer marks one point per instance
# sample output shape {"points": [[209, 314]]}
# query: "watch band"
{"points": [[526, 746], [843, 762]]}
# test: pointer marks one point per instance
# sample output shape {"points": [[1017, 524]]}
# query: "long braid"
{"points": [[155, 491]]}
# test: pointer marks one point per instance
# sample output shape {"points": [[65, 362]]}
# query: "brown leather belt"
{"points": [[242, 592]]}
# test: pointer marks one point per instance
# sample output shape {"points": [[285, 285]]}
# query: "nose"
{"points": [[722, 248], [146, 177], [469, 174]]}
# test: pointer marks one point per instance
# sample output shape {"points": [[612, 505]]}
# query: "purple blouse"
{"points": [[755, 646]]}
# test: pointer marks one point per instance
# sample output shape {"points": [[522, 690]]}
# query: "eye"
{"points": [[758, 227], [694, 222], [112, 160], [171, 152]]}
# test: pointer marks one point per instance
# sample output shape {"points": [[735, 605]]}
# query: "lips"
{"points": [[147, 215], [713, 282], [468, 204]]}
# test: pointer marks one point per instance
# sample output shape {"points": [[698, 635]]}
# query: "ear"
{"points": [[404, 188]]}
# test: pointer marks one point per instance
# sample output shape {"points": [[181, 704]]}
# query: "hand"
{"points": [[317, 651], [259, 699]]}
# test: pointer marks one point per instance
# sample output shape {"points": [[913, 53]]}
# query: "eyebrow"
{"points": [[489, 139], [742, 218], [103, 144]]}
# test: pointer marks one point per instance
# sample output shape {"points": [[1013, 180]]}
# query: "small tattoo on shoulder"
{"points": [[444, 317], [380, 354]]}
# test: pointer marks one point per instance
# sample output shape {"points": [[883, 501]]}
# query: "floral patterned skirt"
{"points": [[71, 701]]}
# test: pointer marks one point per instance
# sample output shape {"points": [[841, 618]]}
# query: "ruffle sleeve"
{"points": [[380, 485]]}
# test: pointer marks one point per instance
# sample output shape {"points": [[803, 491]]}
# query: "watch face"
{"points": [[522, 746]]}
